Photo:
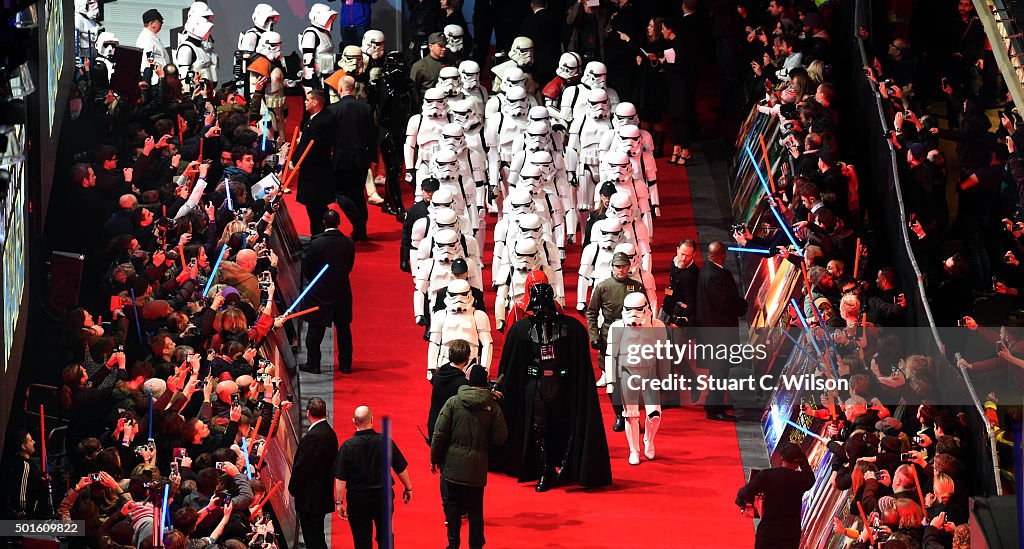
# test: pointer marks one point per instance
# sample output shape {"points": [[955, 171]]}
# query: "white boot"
{"points": [[650, 429], [602, 381], [633, 438]]}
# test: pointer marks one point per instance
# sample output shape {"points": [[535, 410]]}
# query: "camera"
{"points": [[907, 456], [738, 228], [193, 262], [190, 331], [234, 399], [220, 465], [175, 468], [242, 213], [918, 440], [94, 477], [119, 349], [164, 223], [263, 378], [265, 280]]}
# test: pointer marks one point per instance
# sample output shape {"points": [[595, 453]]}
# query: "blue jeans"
{"points": [[352, 36]]}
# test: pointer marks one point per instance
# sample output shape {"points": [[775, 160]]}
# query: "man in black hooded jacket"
{"points": [[447, 380]]}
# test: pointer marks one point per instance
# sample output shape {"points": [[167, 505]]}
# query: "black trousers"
{"points": [[316, 212], [459, 499], [342, 334], [366, 512], [352, 200], [777, 536], [312, 525]]}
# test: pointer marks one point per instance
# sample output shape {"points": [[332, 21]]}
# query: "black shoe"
{"points": [[694, 394], [345, 370], [360, 237], [310, 369], [545, 483], [722, 416], [620, 424]]}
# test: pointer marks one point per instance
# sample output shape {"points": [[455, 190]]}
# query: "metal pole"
{"points": [[389, 502]]}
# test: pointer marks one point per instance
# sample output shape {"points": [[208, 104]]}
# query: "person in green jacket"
{"points": [[469, 424]]}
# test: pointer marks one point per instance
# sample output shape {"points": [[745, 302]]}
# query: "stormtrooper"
{"points": [[351, 61], [511, 287], [264, 17], [441, 219], [473, 166], [436, 273], [574, 98], [617, 167], [270, 98], [316, 47], [462, 113], [629, 139], [449, 81], [507, 229], [192, 57], [624, 115], [446, 168], [584, 139], [200, 10], [455, 35], [440, 201], [530, 227], [106, 43], [469, 71], [545, 204], [87, 29], [500, 134], [637, 272], [621, 207], [459, 320], [423, 136], [497, 102], [637, 327], [392, 97], [555, 186], [520, 56], [596, 261], [567, 74], [373, 54]]}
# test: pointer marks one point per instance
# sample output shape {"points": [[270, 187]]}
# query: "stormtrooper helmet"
{"points": [[521, 200], [629, 136], [530, 225], [453, 137], [514, 77], [322, 17], [597, 103], [529, 179], [264, 16], [373, 44], [526, 256], [454, 35], [459, 297], [609, 233], [537, 137], [434, 104], [629, 250], [636, 311], [625, 113], [199, 10], [522, 51], [569, 65], [621, 207], [449, 81], [620, 169], [515, 102], [446, 167], [446, 218], [198, 28], [446, 246], [351, 59], [106, 42], [269, 45], [543, 161], [442, 198], [463, 113], [595, 75], [469, 70], [90, 9], [540, 114]]}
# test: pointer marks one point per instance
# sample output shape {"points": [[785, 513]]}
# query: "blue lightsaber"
{"points": [[213, 273], [306, 291], [227, 193], [245, 452], [799, 346], [166, 515], [266, 129], [805, 430], [750, 250], [768, 192], [138, 325], [807, 327]]}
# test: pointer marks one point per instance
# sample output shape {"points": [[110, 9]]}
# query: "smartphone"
{"points": [[193, 262], [179, 453], [234, 399], [1000, 346], [907, 456], [94, 477], [220, 465], [175, 470]]}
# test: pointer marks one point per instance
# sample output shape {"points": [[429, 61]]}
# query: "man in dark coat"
{"points": [[447, 380], [549, 426], [315, 188], [355, 148], [415, 212], [719, 305], [311, 483], [544, 27], [333, 293]]}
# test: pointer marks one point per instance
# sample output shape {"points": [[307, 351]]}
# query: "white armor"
{"points": [[514, 77], [526, 257], [455, 177], [621, 207], [264, 17], [596, 261], [555, 186], [573, 102], [546, 204], [373, 44], [520, 56], [454, 35], [473, 166], [619, 168], [424, 229], [531, 227], [507, 229], [269, 46], [106, 43], [462, 113], [459, 320], [192, 56], [500, 134], [449, 81], [645, 169], [569, 66], [200, 10], [88, 27], [317, 47], [436, 273], [469, 72], [351, 60], [423, 136], [585, 138]]}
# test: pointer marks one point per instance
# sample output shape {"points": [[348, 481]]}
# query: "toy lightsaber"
{"points": [[270, 433], [266, 130], [308, 288], [245, 452], [298, 165], [256, 430], [216, 267], [799, 346], [151, 415], [806, 326], [266, 498], [778, 217], [739, 249], [138, 325], [856, 259], [166, 515], [302, 313], [291, 151], [227, 193], [806, 431], [767, 163]]}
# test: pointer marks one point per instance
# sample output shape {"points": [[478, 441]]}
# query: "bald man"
{"points": [[120, 222], [719, 306], [239, 275], [358, 484]]}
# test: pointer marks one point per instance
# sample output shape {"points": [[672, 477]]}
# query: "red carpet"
{"points": [[682, 499]]}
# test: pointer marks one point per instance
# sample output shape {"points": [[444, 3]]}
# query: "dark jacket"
{"points": [[355, 140], [312, 482], [544, 27], [445, 384], [719, 302], [315, 177], [469, 423]]}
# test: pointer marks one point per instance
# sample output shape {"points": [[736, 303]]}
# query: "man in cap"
{"points": [[460, 269], [416, 212], [606, 307], [153, 51], [424, 73]]}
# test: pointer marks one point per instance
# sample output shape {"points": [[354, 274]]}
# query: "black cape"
{"points": [[574, 419]]}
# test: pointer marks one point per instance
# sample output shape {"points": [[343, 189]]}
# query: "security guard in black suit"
{"points": [[333, 293], [316, 190], [310, 483], [355, 148]]}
